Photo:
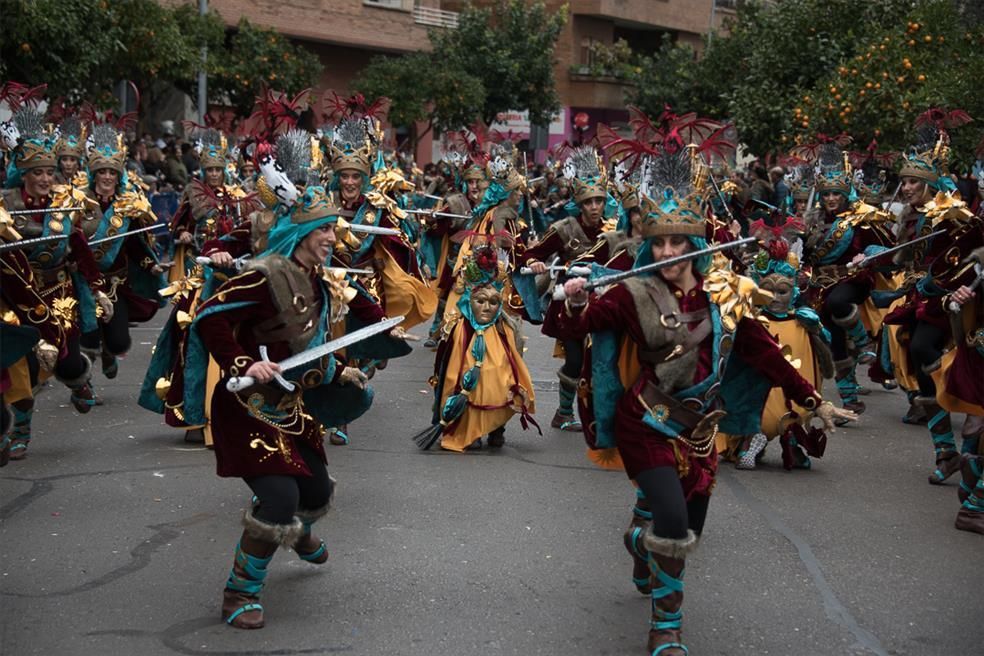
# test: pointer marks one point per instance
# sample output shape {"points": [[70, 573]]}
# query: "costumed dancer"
{"points": [[569, 240], [70, 150], [264, 434], [32, 337], [210, 206], [30, 182], [960, 386], [398, 284], [758, 412], [839, 235], [660, 343], [128, 263], [480, 379], [924, 324]]}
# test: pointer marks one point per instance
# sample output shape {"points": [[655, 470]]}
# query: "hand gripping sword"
{"points": [[979, 269], [603, 281], [239, 383]]}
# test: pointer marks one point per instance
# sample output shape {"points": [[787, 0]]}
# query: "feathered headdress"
{"points": [[71, 138], [212, 149], [502, 168], [670, 202], [106, 149], [587, 171], [929, 157], [351, 146], [833, 170]]}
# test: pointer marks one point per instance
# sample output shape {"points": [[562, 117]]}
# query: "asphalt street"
{"points": [[116, 538]]}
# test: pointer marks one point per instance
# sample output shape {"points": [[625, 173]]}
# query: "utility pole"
{"points": [[202, 77]]}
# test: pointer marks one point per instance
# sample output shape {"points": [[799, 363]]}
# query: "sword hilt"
{"points": [[239, 383]]}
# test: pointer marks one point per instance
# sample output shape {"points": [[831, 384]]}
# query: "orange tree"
{"points": [[930, 59]]}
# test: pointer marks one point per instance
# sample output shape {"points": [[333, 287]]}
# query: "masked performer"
{"points": [[480, 379]]}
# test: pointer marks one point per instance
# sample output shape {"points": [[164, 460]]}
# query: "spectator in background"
{"points": [[189, 158], [780, 197], [175, 172], [153, 163], [137, 156], [761, 188]]}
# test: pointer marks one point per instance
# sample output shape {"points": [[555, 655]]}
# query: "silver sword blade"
{"points": [[127, 234], [26, 243], [47, 210], [373, 230], [337, 344]]}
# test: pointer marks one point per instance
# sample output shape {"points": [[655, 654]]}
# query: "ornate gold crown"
{"points": [[35, 154], [107, 153], [313, 205], [672, 214], [930, 164], [213, 155], [589, 179], [473, 173], [351, 147], [71, 146], [835, 178]]}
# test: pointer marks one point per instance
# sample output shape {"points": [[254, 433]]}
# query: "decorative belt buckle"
{"points": [[672, 315]]}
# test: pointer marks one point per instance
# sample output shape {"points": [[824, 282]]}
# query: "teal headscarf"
{"points": [[290, 231]]}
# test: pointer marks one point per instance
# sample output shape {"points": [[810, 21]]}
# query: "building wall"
{"points": [[344, 22]]}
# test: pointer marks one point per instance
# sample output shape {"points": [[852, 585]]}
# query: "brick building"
{"points": [[346, 34]]}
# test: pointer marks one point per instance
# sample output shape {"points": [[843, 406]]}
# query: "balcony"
{"points": [[423, 13]]}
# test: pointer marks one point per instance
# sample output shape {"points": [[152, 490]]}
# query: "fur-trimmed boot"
{"points": [[110, 364], [564, 417], [20, 431], [944, 446], [82, 397], [241, 598], [858, 341], [309, 547], [641, 518], [667, 560]]}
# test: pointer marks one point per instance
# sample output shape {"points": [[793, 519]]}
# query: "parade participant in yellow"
{"points": [[480, 379]]}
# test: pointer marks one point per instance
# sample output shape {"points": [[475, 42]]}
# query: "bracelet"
{"points": [[812, 402]]}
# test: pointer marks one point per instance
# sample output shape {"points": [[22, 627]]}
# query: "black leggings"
{"points": [[838, 303], [72, 366], [114, 335], [280, 496], [925, 348], [672, 514], [573, 358]]}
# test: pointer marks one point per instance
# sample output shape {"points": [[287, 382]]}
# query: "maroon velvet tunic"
{"points": [[640, 446], [247, 443]]}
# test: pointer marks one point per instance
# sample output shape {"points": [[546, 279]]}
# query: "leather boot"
{"points": [[632, 538], [82, 398], [667, 559], [970, 473], [847, 388], [944, 446], [110, 364], [241, 598], [20, 432], [858, 341], [971, 514], [497, 438], [564, 418], [309, 547]]}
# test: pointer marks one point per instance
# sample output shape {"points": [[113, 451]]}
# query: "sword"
{"points": [[373, 230], [354, 272], [47, 210], [239, 383], [441, 215], [127, 234], [655, 266], [24, 243], [894, 249]]}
